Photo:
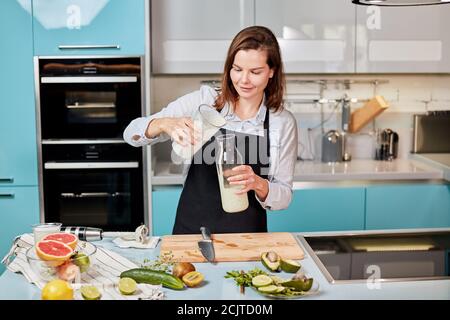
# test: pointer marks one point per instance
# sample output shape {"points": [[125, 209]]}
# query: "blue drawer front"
{"points": [[321, 210], [19, 210], [408, 206], [164, 209]]}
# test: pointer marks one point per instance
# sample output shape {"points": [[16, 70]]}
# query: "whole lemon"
{"points": [[57, 290]]}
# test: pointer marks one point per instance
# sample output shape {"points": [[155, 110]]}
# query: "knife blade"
{"points": [[206, 245]]}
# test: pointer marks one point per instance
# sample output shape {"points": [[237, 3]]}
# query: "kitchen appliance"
{"points": [[97, 234], [332, 146], [206, 245], [387, 145], [232, 246], [374, 256], [88, 98], [432, 132], [94, 185], [88, 175]]}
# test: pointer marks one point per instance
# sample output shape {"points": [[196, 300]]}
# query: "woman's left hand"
{"points": [[246, 177]]}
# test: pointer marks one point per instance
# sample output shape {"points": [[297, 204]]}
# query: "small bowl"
{"points": [[69, 270]]}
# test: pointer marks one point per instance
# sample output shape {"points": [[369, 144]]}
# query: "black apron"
{"points": [[200, 203]]}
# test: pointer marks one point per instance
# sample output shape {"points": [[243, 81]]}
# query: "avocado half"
{"points": [[271, 260]]}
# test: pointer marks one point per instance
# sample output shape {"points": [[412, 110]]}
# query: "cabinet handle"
{"points": [[6, 195], [91, 165], [6, 180], [88, 46], [88, 79]]}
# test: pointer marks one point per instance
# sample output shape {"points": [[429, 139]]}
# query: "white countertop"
{"points": [[399, 169], [440, 161]]}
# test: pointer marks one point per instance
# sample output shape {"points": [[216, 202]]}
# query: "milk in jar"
{"points": [[227, 158]]}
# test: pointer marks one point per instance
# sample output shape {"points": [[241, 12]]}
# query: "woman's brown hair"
{"points": [[255, 38]]}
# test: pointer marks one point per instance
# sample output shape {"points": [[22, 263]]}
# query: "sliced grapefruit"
{"points": [[67, 238], [55, 253]]}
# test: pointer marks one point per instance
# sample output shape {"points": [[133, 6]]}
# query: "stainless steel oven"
{"points": [[89, 176], [88, 98], [94, 185]]}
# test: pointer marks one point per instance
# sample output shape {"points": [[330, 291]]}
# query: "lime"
{"points": [[261, 281], [280, 289], [277, 280], [90, 293], [268, 289], [82, 261], [127, 286]]}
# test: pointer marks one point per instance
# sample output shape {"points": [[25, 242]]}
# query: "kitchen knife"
{"points": [[206, 245]]}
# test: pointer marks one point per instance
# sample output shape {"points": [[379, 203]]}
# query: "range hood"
{"points": [[400, 3]]}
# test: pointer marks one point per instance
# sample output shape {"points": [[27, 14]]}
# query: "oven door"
{"points": [[88, 107], [94, 194]]}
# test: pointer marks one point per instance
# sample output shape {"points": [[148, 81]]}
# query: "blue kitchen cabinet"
{"points": [[408, 206], [310, 210], [164, 209], [94, 27], [19, 209], [18, 151], [324, 209]]}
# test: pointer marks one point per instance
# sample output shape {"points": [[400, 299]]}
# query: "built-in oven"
{"points": [[94, 185], [89, 176], [88, 98]]}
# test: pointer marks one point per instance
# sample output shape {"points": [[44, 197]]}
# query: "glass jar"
{"points": [[227, 158]]}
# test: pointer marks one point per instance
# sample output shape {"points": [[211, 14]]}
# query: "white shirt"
{"points": [[282, 134]]}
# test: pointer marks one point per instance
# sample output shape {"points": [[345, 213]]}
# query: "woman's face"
{"points": [[250, 73]]}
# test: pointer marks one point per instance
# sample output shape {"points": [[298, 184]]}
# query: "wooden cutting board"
{"points": [[233, 246]]}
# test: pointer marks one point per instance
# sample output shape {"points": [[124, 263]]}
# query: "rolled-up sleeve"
{"points": [[283, 156], [185, 106]]}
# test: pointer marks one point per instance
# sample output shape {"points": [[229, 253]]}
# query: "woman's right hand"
{"points": [[181, 130]]}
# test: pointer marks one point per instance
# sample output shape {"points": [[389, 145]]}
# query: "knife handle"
{"points": [[205, 233]]}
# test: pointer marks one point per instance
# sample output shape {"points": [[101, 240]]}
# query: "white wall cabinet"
{"points": [[315, 36], [403, 39], [320, 36], [192, 36]]}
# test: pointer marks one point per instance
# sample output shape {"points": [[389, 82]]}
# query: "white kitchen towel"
{"points": [[104, 272], [150, 243]]}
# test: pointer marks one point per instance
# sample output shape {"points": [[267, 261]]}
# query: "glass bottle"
{"points": [[227, 158]]}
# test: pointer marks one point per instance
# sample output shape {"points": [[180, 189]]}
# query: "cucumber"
{"points": [[142, 275]]}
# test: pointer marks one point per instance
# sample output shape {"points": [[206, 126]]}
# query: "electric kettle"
{"points": [[332, 146]]}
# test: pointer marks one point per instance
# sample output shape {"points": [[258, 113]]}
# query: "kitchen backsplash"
{"points": [[406, 95]]}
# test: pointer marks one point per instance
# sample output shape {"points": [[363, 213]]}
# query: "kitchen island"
{"points": [[216, 287]]}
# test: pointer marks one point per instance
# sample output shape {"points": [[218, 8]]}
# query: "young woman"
{"points": [[251, 101]]}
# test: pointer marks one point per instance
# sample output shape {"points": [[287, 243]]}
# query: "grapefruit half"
{"points": [[55, 253], [67, 238]]}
